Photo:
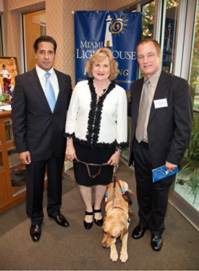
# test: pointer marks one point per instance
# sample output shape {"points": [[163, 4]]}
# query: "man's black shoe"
{"points": [[138, 232], [156, 242], [61, 220], [35, 232]]}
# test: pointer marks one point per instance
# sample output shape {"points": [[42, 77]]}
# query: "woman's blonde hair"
{"points": [[99, 56]]}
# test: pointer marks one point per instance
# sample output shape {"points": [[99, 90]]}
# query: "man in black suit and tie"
{"points": [[161, 112], [40, 102]]}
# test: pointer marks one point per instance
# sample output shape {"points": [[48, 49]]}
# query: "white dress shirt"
{"points": [[53, 79]]}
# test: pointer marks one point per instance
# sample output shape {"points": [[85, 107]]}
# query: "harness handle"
{"points": [[91, 164], [114, 177]]}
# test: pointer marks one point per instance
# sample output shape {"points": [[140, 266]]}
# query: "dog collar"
{"points": [[117, 207]]}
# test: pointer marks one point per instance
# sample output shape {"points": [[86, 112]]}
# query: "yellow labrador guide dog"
{"points": [[117, 219]]}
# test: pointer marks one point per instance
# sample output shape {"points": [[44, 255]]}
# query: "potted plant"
{"points": [[190, 171]]}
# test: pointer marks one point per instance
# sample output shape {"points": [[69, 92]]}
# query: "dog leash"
{"points": [[114, 184], [91, 164]]}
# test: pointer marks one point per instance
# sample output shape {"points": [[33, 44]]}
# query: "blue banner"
{"points": [[117, 30]]}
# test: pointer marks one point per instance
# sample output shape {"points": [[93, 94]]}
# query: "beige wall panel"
{"points": [[54, 28], [1, 5], [21, 5], [11, 32], [117, 4]]}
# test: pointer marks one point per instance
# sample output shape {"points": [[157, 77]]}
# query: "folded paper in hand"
{"points": [[162, 173]]}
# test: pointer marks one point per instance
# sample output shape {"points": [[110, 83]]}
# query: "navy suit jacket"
{"points": [[36, 129], [169, 127]]}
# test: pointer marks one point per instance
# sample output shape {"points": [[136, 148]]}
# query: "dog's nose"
{"points": [[104, 245]]}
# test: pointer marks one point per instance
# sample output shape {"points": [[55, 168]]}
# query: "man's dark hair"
{"points": [[44, 39]]}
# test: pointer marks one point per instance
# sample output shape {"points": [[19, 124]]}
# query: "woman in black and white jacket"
{"points": [[96, 129]]}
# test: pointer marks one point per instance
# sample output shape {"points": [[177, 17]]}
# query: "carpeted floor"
{"points": [[75, 248]]}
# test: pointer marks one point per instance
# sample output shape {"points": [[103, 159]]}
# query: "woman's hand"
{"points": [[114, 160], [70, 150]]}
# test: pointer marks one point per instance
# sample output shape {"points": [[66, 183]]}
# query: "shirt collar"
{"points": [[41, 72], [154, 77]]}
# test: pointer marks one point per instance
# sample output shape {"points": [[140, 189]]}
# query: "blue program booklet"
{"points": [[162, 173]]}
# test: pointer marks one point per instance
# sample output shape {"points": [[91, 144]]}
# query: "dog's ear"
{"points": [[123, 232]]}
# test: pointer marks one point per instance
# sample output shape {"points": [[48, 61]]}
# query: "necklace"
{"points": [[101, 93]]}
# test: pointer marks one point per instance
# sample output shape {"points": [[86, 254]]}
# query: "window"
{"points": [[34, 25], [148, 14], [194, 74], [187, 182], [170, 35]]}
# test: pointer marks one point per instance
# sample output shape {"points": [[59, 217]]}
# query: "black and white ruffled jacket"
{"points": [[98, 124]]}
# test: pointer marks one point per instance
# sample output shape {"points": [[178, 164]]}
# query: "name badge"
{"points": [[160, 103]]}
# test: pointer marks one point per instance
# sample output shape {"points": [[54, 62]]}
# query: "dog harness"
{"points": [[125, 195]]}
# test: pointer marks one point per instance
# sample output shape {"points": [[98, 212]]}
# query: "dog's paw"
{"points": [[123, 257], [114, 256]]}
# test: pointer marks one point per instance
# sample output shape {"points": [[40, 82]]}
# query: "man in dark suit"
{"points": [[161, 112], [38, 127]]}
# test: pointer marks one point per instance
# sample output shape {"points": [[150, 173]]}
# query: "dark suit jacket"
{"points": [[169, 128], [35, 127]]}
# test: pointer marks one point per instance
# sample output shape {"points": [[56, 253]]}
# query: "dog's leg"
{"points": [[113, 253], [123, 252]]}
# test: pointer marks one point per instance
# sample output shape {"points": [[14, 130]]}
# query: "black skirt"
{"points": [[94, 156]]}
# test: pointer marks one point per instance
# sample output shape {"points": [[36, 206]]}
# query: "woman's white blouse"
{"points": [[97, 124]]}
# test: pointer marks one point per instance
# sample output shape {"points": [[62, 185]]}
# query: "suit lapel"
{"points": [[61, 88], [136, 95], [35, 83]]}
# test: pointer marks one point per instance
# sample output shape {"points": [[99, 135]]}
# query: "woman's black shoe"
{"points": [[88, 225], [100, 221]]}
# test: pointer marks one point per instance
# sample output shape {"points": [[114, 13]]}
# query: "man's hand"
{"points": [[170, 167], [25, 157]]}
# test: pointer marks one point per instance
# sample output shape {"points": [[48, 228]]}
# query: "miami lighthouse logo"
{"points": [[115, 27]]}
